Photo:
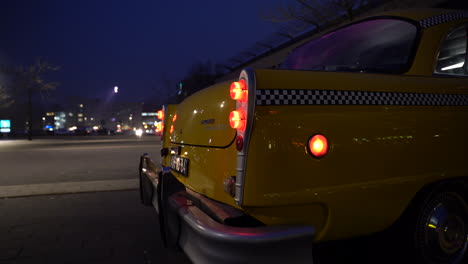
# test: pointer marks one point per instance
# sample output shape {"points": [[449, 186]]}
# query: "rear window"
{"points": [[380, 45]]}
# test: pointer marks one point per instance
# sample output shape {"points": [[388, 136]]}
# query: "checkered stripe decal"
{"points": [[436, 20], [330, 97]]}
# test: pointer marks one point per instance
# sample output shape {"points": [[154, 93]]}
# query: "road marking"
{"points": [[67, 187]]}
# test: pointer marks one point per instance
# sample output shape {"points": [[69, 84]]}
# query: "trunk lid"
{"points": [[202, 154], [203, 118]]}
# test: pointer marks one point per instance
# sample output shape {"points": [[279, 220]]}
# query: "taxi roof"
{"points": [[415, 14]]}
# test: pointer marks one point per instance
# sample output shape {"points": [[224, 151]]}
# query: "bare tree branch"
{"points": [[27, 80], [5, 98], [315, 12]]}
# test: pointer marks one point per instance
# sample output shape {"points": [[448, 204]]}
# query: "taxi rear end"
{"points": [[196, 188], [258, 169]]}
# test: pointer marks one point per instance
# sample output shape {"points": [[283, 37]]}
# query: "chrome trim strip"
{"points": [[248, 75]]}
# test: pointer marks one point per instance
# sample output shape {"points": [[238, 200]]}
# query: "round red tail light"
{"points": [[237, 119], [160, 114], [318, 146], [238, 90]]}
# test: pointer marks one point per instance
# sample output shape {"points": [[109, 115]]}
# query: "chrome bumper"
{"points": [[207, 241]]}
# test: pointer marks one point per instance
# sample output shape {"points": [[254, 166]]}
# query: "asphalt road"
{"points": [[75, 200], [71, 160], [99, 227]]}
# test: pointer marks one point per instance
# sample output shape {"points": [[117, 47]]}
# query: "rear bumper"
{"points": [[207, 241]]}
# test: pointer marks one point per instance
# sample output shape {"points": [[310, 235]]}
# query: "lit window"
{"points": [[452, 54]]}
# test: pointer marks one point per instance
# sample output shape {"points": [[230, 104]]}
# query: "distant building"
{"points": [[92, 114]]}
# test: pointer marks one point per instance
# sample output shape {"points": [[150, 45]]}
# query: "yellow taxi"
{"points": [[358, 128]]}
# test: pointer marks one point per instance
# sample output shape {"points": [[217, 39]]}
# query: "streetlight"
{"points": [[116, 90]]}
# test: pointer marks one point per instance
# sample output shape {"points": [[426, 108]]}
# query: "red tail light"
{"points": [[239, 143], [238, 91], [160, 114], [174, 118], [241, 119], [318, 146], [172, 129], [237, 119]]}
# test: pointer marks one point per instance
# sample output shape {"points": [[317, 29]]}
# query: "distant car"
{"points": [[62, 131], [361, 129], [82, 131]]}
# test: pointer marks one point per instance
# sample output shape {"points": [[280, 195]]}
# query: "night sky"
{"points": [[131, 44]]}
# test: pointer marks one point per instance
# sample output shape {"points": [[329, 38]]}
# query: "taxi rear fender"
{"points": [[377, 145]]}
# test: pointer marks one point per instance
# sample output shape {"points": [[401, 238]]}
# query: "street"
{"points": [[100, 227], [73, 159], [75, 200]]}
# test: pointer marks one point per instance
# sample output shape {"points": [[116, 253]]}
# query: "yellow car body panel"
{"points": [[204, 113], [376, 151], [204, 136], [380, 155]]}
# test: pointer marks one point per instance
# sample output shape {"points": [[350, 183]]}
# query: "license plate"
{"points": [[179, 164]]}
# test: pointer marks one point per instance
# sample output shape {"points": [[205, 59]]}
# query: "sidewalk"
{"points": [[102, 227], [70, 141]]}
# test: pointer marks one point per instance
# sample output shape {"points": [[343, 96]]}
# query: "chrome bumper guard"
{"points": [[207, 241]]}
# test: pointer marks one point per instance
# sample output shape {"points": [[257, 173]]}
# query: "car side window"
{"points": [[451, 59]]}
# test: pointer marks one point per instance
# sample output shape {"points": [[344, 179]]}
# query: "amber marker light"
{"points": [[172, 129], [160, 114], [318, 146], [238, 90], [159, 127], [237, 119], [174, 118]]}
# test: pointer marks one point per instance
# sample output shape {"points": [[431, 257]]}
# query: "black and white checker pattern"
{"points": [[334, 97], [436, 20]]}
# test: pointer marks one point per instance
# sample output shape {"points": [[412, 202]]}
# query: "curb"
{"points": [[13, 191]]}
